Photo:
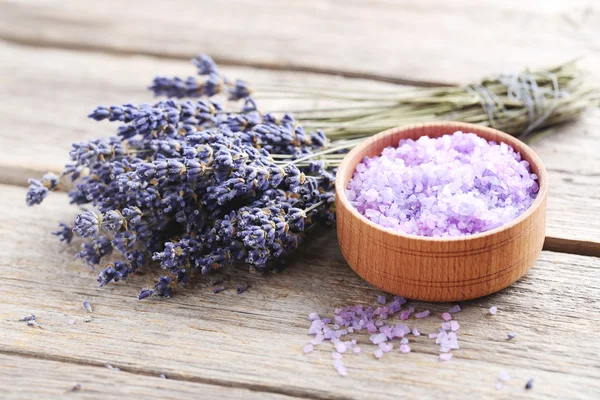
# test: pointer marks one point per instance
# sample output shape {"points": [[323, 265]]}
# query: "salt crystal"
{"points": [[336, 326], [378, 353], [386, 347], [381, 299], [71, 321], [416, 332], [446, 316], [454, 326], [454, 185], [404, 341], [423, 314], [454, 309], [340, 368], [511, 335], [378, 323], [498, 386], [340, 347], [503, 376], [313, 316], [308, 348], [432, 335], [445, 357], [356, 350], [404, 348], [493, 310], [336, 356], [378, 338]]}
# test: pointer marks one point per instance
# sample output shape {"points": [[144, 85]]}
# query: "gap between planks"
{"points": [[221, 60], [291, 392]]}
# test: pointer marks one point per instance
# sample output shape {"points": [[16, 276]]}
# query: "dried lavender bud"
{"points": [[38, 189], [87, 224], [529, 384], [75, 388], [214, 282], [28, 318], [65, 233], [205, 64], [241, 289], [87, 306], [511, 335], [218, 290]]}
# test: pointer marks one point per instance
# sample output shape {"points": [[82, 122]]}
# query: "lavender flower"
{"points": [[186, 185]]}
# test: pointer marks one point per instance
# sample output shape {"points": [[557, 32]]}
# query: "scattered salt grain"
{"points": [[336, 356], [503, 376], [87, 319], [308, 348], [336, 326], [386, 347], [423, 314], [404, 341], [87, 306], [404, 348], [432, 335], [511, 335], [529, 384], [498, 386], [454, 326], [340, 368], [446, 316], [416, 332], [313, 316], [453, 185], [445, 357], [378, 338], [356, 350], [493, 310], [446, 326], [378, 353], [381, 299], [340, 347], [71, 321], [112, 368], [163, 376], [454, 309]]}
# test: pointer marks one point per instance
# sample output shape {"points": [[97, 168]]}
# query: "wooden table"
{"points": [[62, 58]]}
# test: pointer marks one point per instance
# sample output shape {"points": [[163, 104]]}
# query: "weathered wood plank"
{"points": [[27, 378], [254, 340], [50, 92], [431, 40]]}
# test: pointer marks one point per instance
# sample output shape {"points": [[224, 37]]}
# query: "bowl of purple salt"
{"points": [[442, 211]]}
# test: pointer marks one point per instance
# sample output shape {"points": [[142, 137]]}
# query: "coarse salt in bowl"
{"points": [[495, 248]]}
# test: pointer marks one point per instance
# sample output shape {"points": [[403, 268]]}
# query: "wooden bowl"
{"points": [[439, 269]]}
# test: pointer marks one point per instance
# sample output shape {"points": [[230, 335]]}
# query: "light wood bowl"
{"points": [[439, 269]]}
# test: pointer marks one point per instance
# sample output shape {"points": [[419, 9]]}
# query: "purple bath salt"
{"points": [[454, 185]]}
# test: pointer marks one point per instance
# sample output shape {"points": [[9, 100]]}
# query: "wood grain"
{"points": [[439, 268], [254, 341], [426, 41], [50, 92], [30, 378]]}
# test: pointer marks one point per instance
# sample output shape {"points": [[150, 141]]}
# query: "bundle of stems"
{"points": [[518, 104]]}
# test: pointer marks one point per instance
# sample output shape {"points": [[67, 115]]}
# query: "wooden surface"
{"points": [[439, 269], [62, 58]]}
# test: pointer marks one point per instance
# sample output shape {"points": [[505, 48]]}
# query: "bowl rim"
{"points": [[340, 187]]}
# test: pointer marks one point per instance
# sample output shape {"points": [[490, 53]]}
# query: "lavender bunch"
{"points": [[186, 185]]}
